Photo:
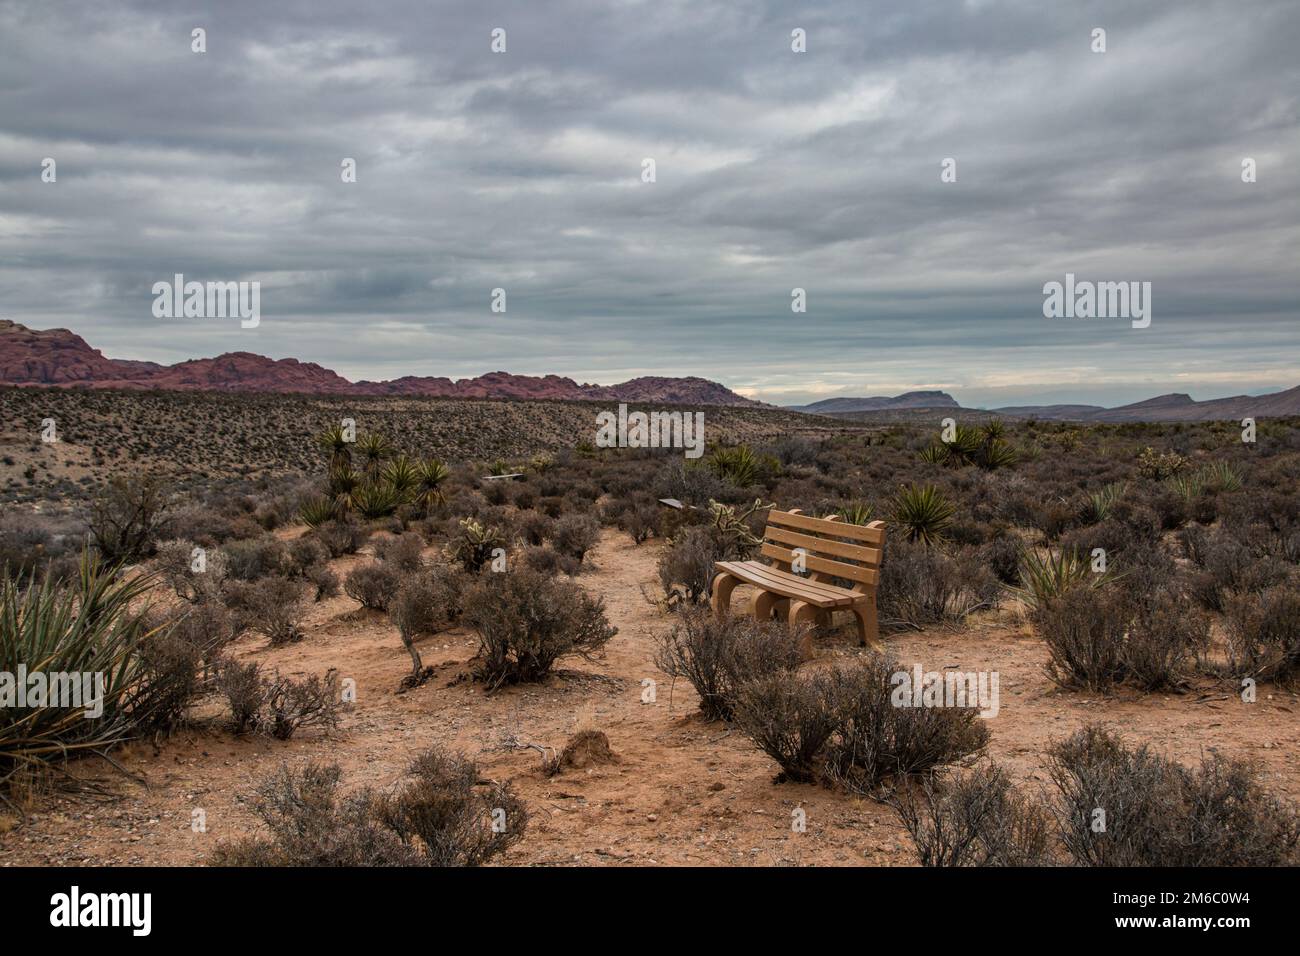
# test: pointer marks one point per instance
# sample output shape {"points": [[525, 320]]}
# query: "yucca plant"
{"points": [[935, 454], [922, 513], [994, 430], [996, 454], [375, 500], [1044, 577], [738, 465], [318, 509], [1222, 476], [541, 464], [82, 627], [341, 483], [334, 440], [1188, 486], [856, 512], [374, 449], [1102, 503], [428, 489], [403, 476]]}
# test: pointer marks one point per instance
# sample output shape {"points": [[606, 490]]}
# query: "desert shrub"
{"points": [[426, 602], [640, 521], [686, 566], [976, 820], [125, 517], [273, 606], [196, 574], [526, 621], [1158, 813], [292, 704], [24, 545], [256, 558], [323, 579], [790, 718], [209, 627], [575, 534], [276, 705], [199, 523], [718, 655], [843, 726], [877, 739], [340, 537], [534, 527], [1165, 636], [242, 686], [438, 816], [373, 584], [920, 586], [402, 552], [1230, 564], [306, 552], [1264, 634], [690, 483], [549, 561], [309, 560], [171, 675], [1084, 630], [1001, 555], [473, 544]]}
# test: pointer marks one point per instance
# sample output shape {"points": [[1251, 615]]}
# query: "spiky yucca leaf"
{"points": [[334, 440], [922, 512], [81, 627], [856, 512], [1045, 577], [374, 449], [428, 491], [403, 476], [318, 509], [376, 500]]}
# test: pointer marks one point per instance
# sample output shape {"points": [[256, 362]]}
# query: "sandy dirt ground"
{"points": [[681, 791]]}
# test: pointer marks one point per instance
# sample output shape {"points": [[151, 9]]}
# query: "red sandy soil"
{"points": [[680, 791]]}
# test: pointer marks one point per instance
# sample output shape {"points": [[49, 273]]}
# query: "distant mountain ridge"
{"points": [[1174, 407], [63, 359], [830, 406]]}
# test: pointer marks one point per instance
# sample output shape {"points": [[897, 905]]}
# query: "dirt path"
{"points": [[681, 791]]}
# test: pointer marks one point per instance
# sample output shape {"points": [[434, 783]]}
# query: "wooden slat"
{"points": [[789, 585], [854, 572], [841, 549], [794, 580], [871, 534]]}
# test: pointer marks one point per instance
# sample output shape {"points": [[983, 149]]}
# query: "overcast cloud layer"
{"points": [[775, 170]]}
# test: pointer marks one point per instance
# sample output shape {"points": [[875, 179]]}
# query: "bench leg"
{"points": [[868, 630], [764, 603], [803, 614], [723, 585]]}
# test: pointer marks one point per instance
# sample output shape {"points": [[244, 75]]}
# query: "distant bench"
{"points": [[827, 547]]}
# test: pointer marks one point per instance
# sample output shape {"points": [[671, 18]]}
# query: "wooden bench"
{"points": [[829, 549]]}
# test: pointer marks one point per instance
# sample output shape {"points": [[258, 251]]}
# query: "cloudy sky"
{"points": [[774, 169]]}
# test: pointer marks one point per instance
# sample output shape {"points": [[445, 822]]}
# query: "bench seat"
{"points": [[789, 585], [828, 550]]}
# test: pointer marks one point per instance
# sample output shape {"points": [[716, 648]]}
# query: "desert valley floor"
{"points": [[677, 790]]}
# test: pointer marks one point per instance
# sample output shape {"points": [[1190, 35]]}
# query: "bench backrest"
{"points": [[831, 548]]}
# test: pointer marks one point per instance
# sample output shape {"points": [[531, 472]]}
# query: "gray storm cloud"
{"points": [[775, 170]]}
